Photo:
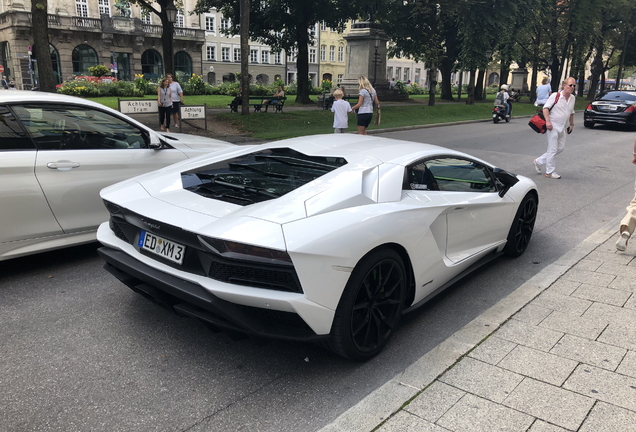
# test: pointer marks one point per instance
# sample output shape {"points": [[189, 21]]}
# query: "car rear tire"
{"points": [[522, 227], [588, 124], [370, 307]]}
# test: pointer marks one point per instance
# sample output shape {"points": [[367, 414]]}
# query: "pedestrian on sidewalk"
{"points": [[340, 109], [366, 98], [628, 223], [164, 100], [557, 113], [177, 99]]}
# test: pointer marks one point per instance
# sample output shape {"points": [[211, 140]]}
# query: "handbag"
{"points": [[537, 122]]}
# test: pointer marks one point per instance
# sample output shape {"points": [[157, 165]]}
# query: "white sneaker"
{"points": [[553, 176], [621, 244], [537, 166]]}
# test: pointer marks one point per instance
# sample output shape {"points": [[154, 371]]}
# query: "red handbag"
{"points": [[537, 122]]}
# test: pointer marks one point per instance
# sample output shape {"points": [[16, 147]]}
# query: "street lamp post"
{"points": [[171, 14], [376, 60]]}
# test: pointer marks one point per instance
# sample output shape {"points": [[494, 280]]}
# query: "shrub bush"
{"points": [[98, 71]]}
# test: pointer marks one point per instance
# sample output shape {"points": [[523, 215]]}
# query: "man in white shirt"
{"points": [[557, 114], [177, 98]]}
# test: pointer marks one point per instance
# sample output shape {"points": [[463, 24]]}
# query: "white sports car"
{"points": [[57, 152], [325, 238]]}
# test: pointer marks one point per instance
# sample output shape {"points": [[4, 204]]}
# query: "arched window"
{"points": [[493, 78], [55, 60], [262, 79], [83, 57], [183, 65], [151, 64], [327, 77]]}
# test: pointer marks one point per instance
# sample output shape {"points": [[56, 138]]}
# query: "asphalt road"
{"points": [[79, 351]]}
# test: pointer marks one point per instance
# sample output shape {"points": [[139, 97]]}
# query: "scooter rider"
{"points": [[504, 98]]}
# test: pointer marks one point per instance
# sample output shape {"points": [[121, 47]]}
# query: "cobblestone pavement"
{"points": [[565, 362]]}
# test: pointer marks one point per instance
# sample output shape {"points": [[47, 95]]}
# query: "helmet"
{"points": [[504, 87]]}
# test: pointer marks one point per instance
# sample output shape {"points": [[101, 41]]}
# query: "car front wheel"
{"points": [[370, 306], [522, 227]]}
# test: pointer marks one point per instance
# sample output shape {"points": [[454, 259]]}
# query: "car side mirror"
{"points": [[507, 179]]}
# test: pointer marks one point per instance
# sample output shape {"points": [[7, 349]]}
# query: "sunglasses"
{"points": [[571, 85]]}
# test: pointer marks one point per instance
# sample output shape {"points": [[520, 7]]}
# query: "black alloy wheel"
{"points": [[522, 227], [370, 307]]}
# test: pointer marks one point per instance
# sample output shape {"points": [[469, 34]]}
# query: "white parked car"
{"points": [[57, 152], [325, 238]]}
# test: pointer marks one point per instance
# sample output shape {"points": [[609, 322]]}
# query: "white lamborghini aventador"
{"points": [[324, 238]]}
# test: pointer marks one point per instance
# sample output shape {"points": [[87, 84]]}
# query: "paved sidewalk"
{"points": [[562, 357]]}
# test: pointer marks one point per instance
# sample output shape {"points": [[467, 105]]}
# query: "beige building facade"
{"points": [[86, 33], [222, 55]]}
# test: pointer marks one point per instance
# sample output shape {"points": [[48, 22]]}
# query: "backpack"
{"points": [[499, 99]]}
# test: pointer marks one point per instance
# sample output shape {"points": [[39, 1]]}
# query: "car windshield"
{"points": [[619, 96], [259, 176]]}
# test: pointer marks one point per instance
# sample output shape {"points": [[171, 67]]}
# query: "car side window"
{"points": [[66, 127], [12, 136], [450, 174]]}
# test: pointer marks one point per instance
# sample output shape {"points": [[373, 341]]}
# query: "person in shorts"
{"points": [[367, 97], [177, 99], [340, 109]]}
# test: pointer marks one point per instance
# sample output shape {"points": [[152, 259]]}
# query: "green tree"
{"points": [[39, 13], [167, 37], [287, 24]]}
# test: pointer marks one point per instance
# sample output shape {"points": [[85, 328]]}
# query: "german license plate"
{"points": [[162, 247]]}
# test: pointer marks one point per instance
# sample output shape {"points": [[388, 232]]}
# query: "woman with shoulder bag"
{"points": [[364, 107], [164, 99]]}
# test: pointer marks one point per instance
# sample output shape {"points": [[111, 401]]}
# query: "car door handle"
{"points": [[62, 165], [459, 208]]}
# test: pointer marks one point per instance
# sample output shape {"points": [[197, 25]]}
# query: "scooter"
{"points": [[499, 112]]}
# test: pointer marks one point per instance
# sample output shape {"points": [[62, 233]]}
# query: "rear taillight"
{"points": [[589, 106], [631, 108]]}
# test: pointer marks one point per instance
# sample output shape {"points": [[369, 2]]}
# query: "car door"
{"points": [[477, 218], [24, 211], [80, 151]]}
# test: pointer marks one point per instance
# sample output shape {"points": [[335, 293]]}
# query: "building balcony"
{"points": [[104, 24]]}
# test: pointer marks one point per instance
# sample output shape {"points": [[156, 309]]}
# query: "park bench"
{"points": [[257, 103]]}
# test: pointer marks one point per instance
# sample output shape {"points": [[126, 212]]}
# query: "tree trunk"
{"points": [[302, 64], [622, 62], [432, 84], [167, 44], [471, 88], [445, 69], [504, 71], [245, 52], [479, 86], [459, 87], [39, 13]]}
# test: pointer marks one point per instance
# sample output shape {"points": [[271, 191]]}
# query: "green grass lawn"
{"points": [[271, 126], [297, 123], [212, 101]]}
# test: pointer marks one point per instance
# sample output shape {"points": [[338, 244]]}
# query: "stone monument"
{"points": [[366, 55]]}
